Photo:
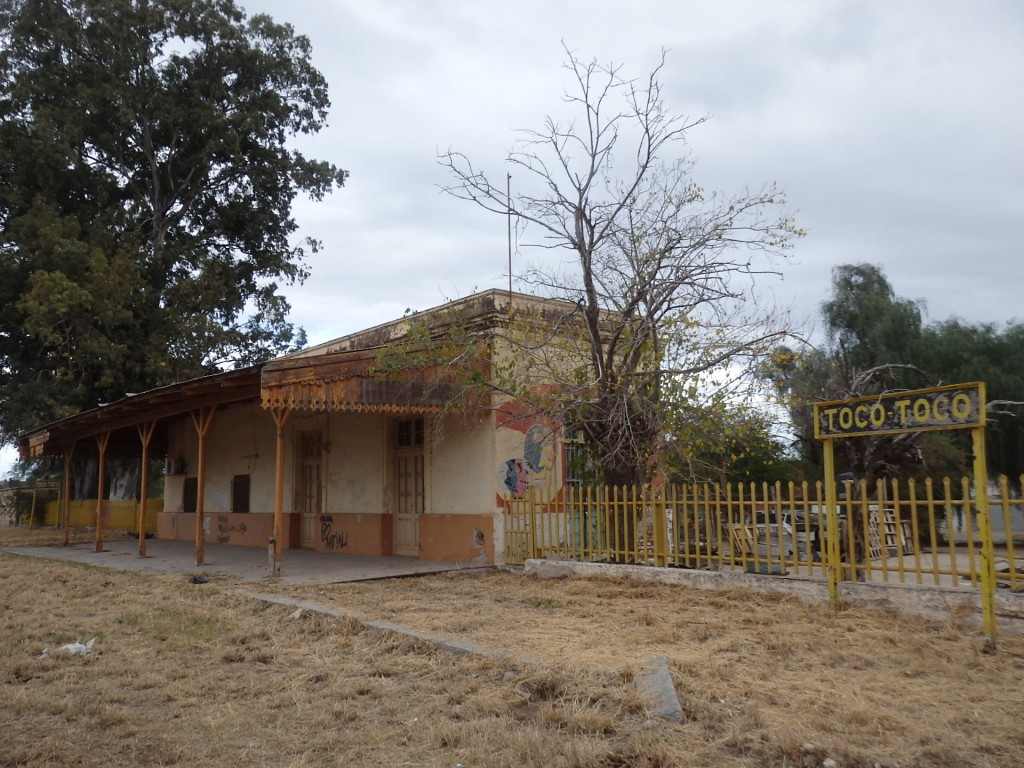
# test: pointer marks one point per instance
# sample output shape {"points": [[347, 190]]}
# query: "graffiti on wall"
{"points": [[225, 528], [330, 538], [534, 468]]}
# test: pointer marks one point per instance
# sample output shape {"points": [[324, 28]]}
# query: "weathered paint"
{"points": [[958, 406], [335, 391], [355, 448], [241, 442], [350, 534], [357, 515], [247, 530], [462, 538], [459, 480], [117, 515], [527, 454]]}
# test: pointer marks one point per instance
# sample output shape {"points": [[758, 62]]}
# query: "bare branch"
{"points": [[663, 272]]}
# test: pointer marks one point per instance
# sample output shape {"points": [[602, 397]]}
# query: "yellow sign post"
{"points": [[960, 406]]}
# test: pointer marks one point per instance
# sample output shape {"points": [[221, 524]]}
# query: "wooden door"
{"points": [[309, 483], [409, 486]]}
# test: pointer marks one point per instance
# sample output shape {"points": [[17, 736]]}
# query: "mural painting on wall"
{"points": [[534, 467]]}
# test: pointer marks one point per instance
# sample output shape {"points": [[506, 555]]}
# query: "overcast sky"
{"points": [[895, 128]]}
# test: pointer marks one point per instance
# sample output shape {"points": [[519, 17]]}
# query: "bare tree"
{"points": [[661, 273]]}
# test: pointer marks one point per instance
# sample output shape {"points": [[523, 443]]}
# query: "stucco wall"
{"points": [[528, 454], [457, 538], [461, 466], [241, 440], [355, 454], [354, 534], [462, 476], [247, 530]]}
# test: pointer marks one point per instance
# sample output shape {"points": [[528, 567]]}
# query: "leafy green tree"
{"points": [[873, 338], [867, 324], [727, 443], [953, 351], [878, 343], [146, 185]]}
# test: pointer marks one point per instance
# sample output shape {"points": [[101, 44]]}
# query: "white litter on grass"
{"points": [[70, 649]]}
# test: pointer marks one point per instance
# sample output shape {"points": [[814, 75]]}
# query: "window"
{"points": [[240, 493], [575, 463], [580, 468], [189, 494], [410, 433]]}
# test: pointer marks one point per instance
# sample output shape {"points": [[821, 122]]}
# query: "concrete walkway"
{"points": [[298, 566]]}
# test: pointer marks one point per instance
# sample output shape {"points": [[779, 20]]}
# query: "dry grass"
{"points": [[184, 675]]}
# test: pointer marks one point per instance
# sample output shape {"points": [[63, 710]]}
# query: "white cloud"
{"points": [[893, 128]]}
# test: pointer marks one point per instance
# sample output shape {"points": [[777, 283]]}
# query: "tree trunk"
{"points": [[623, 486]]}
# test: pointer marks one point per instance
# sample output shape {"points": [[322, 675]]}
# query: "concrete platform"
{"points": [[298, 566]]}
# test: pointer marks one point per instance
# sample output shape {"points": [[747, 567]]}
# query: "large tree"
{"points": [[876, 342], [954, 351], [146, 185], [872, 336], [660, 271], [867, 324]]}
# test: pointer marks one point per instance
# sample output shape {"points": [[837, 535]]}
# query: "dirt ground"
{"points": [[185, 675]]}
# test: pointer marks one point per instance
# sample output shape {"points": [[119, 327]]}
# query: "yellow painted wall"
{"points": [[118, 515]]}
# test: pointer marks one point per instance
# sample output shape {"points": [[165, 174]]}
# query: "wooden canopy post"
{"points": [[69, 452], [202, 419], [102, 440], [146, 430], [280, 419]]}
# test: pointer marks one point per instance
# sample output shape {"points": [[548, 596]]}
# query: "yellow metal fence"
{"points": [[895, 532]]}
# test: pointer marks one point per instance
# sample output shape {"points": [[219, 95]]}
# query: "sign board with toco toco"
{"points": [[961, 406]]}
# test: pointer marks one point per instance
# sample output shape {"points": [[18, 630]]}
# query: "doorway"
{"points": [[410, 495], [309, 485]]}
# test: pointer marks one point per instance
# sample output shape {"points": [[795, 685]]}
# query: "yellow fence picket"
{"points": [[894, 533]]}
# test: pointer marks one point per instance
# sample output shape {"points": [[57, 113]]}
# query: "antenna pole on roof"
{"points": [[508, 199]]}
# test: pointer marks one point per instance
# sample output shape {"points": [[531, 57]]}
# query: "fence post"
{"points": [[832, 563], [660, 523], [988, 569], [531, 529]]}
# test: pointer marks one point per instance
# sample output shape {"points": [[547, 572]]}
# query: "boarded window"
{"points": [[240, 493], [190, 493]]}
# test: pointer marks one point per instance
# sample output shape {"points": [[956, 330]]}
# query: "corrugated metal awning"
{"points": [[121, 418]]}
